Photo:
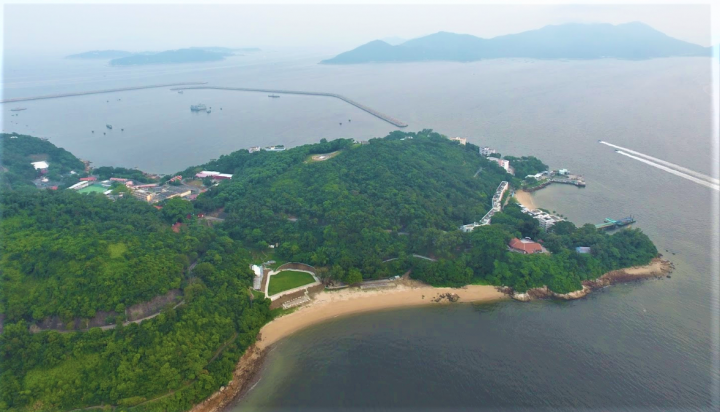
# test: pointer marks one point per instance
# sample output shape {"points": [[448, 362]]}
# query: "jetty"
{"points": [[379, 115], [609, 224], [122, 89]]}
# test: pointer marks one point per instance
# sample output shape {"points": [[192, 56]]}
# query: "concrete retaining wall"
{"points": [[312, 290]]}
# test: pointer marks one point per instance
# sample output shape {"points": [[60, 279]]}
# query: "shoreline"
{"points": [[657, 268], [328, 305], [525, 199]]}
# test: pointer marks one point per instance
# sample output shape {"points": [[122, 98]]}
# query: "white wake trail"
{"points": [[673, 171], [685, 170]]}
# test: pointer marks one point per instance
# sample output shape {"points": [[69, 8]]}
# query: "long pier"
{"points": [[382, 116], [122, 89]]}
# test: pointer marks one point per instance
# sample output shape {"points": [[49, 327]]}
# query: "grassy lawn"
{"points": [[288, 279]]}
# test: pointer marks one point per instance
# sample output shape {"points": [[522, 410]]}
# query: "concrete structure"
{"points": [[80, 185], [55, 96], [563, 172], [525, 246], [496, 207], [254, 149], [583, 249], [461, 140], [367, 109]]}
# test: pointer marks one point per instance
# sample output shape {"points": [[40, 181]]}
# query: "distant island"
{"points": [[100, 54], [566, 41], [186, 55], [170, 57]]}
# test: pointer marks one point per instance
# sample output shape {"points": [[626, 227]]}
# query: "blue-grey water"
{"points": [[651, 345]]}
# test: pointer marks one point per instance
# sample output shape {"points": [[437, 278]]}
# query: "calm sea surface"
{"points": [[644, 346]]}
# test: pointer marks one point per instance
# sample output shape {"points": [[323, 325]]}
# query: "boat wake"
{"points": [[677, 170]]}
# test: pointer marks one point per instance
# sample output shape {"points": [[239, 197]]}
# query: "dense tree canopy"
{"points": [[71, 255]]}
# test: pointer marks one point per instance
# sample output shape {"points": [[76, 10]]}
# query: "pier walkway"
{"points": [[382, 116], [122, 89]]}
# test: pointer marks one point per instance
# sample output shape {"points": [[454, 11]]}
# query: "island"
{"points": [[186, 55], [565, 41], [100, 54], [126, 289]]}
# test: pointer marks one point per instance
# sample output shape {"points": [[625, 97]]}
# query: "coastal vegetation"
{"points": [[288, 279], [19, 151]]}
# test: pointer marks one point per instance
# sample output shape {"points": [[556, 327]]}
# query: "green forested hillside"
{"points": [[71, 255]]}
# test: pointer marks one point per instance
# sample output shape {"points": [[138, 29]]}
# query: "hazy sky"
{"points": [[75, 28]]}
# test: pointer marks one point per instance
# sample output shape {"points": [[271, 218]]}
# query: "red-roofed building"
{"points": [[525, 246], [118, 179], [88, 179], [176, 227], [53, 187]]}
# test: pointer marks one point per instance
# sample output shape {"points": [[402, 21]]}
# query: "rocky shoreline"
{"points": [[244, 374], [657, 268]]}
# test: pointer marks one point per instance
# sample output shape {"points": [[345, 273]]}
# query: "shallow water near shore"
{"points": [[645, 345]]}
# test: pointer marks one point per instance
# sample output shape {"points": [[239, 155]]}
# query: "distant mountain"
{"points": [[571, 41], [100, 54], [193, 55], [226, 49], [394, 40]]}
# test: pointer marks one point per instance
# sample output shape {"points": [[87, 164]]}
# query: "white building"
{"points": [[505, 164], [462, 140], [254, 149], [563, 172], [486, 151], [40, 165]]}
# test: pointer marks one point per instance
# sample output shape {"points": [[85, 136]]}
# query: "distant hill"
{"points": [[171, 57], [572, 41], [100, 54]]}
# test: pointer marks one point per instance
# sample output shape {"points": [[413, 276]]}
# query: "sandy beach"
{"points": [[328, 305], [525, 199]]}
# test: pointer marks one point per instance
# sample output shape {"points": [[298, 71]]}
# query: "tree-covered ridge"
{"points": [[18, 151], [369, 203], [70, 255], [398, 196]]}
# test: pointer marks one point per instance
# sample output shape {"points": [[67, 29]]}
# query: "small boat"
{"points": [[349, 120], [209, 110], [18, 109], [180, 92], [109, 126], [198, 108], [274, 96], [340, 123]]}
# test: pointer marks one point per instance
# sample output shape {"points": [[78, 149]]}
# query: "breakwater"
{"points": [[360, 106], [122, 89]]}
